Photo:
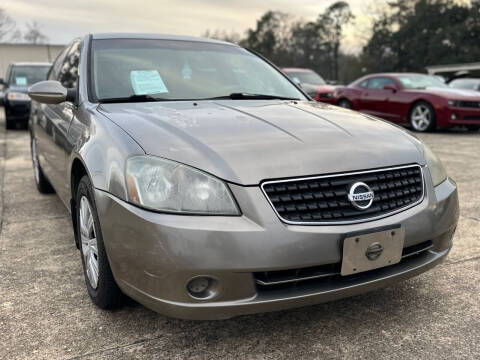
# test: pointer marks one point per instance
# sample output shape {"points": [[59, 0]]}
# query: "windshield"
{"points": [[145, 69], [468, 84], [420, 81], [306, 77], [25, 75]]}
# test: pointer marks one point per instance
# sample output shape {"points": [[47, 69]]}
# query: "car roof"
{"points": [[296, 70], [28, 63], [394, 74], [104, 36]]}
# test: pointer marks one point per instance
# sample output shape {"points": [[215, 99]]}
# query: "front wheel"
{"points": [[345, 103], [9, 123], [422, 117], [101, 285]]}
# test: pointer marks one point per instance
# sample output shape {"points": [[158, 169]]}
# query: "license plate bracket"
{"points": [[370, 251]]}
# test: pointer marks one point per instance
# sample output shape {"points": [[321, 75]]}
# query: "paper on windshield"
{"points": [[21, 81], [146, 82]]}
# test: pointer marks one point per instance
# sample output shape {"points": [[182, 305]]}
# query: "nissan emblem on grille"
{"points": [[361, 196]]}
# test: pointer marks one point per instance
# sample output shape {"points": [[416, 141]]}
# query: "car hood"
{"points": [[246, 142], [451, 93], [19, 89]]}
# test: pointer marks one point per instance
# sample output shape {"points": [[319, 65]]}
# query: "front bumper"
{"points": [[451, 116], [17, 109], [154, 255]]}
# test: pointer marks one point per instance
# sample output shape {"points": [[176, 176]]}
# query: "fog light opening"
{"points": [[454, 117], [202, 287]]}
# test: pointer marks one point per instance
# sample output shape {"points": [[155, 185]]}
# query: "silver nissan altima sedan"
{"points": [[204, 184]]}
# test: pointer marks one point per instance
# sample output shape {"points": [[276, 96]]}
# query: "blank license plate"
{"points": [[371, 251]]}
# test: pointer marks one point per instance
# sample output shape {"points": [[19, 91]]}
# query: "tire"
{"points": [[101, 285], [41, 182], [422, 117], [345, 103], [9, 124], [473, 127]]}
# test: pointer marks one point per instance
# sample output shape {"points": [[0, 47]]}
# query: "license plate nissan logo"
{"points": [[361, 196]]}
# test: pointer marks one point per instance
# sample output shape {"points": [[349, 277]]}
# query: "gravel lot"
{"points": [[45, 311]]}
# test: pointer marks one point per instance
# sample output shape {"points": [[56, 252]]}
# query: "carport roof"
{"points": [[434, 69]]}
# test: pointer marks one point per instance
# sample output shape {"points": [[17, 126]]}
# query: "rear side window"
{"points": [[380, 82], [68, 72]]}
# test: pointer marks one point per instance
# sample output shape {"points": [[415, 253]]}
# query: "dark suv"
{"points": [[16, 100]]}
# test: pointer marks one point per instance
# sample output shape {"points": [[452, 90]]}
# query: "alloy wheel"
{"points": [[89, 242], [421, 117]]}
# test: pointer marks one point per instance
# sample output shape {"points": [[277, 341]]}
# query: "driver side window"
{"points": [[380, 82]]}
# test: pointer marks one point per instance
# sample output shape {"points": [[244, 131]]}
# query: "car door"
{"points": [[55, 122], [360, 91], [380, 101], [42, 124]]}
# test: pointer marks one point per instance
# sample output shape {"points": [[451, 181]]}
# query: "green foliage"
{"points": [[313, 44], [418, 33], [407, 36]]}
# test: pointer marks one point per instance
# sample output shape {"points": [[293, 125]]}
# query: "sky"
{"points": [[63, 20]]}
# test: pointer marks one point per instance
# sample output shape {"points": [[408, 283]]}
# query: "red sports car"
{"points": [[312, 83], [421, 100]]}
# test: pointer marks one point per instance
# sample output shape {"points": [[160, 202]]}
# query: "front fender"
{"points": [[102, 148]]}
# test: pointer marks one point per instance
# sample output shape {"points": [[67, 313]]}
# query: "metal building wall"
{"points": [[26, 52]]}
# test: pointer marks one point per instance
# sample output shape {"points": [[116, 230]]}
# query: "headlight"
{"points": [[437, 171], [17, 96], [166, 185], [454, 103]]}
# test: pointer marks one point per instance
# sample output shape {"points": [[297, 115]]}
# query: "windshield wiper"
{"points": [[133, 98], [247, 96]]}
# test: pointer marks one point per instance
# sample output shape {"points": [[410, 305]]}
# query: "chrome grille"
{"points": [[324, 199]]}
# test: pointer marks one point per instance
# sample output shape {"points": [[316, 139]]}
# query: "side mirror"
{"points": [[392, 88], [50, 92]]}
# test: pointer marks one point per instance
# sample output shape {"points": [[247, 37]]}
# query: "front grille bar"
{"points": [[271, 278], [300, 192]]}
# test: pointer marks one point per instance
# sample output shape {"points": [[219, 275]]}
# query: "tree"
{"points": [[271, 36], [332, 22], [7, 25], [34, 35], [413, 34], [232, 37]]}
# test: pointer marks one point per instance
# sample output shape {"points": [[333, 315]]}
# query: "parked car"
{"points": [[421, 100], [312, 83], [15, 99], [205, 185], [466, 84]]}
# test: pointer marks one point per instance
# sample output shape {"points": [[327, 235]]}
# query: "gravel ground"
{"points": [[45, 311]]}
